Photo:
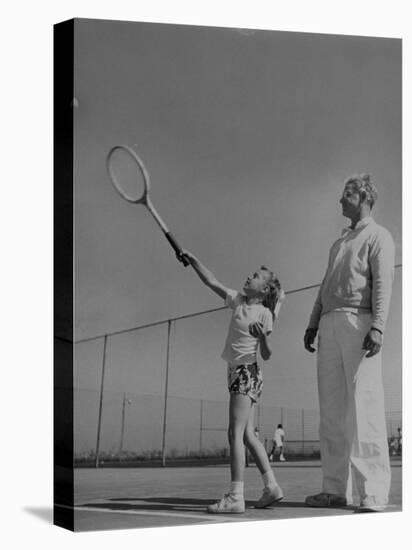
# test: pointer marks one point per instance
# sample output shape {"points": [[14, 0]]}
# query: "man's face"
{"points": [[350, 201]]}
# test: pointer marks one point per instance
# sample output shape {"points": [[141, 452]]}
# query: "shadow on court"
{"points": [[177, 503], [189, 505], [136, 503]]}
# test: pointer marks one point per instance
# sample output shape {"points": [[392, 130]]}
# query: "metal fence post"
{"points": [[201, 427], [99, 421], [169, 323], [303, 432], [122, 422]]}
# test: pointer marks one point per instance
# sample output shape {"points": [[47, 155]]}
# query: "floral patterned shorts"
{"points": [[245, 380]]}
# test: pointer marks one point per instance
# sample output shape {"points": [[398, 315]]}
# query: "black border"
{"points": [[63, 82]]}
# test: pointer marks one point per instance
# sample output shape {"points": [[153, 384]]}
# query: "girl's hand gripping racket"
{"points": [[134, 181]]}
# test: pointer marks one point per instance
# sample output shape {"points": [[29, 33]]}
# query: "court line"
{"points": [[203, 517]]}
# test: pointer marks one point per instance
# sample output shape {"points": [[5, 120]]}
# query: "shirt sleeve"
{"points": [[317, 306], [232, 299], [267, 320], [382, 263], [316, 311]]}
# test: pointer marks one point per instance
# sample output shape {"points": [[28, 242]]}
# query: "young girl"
{"points": [[253, 313]]}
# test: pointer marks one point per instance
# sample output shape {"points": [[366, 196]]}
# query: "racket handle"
{"points": [[176, 248]]}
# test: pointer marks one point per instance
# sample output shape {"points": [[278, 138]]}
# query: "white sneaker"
{"points": [[370, 504], [270, 495], [282, 459], [229, 504]]}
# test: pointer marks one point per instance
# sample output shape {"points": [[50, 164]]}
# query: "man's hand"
{"points": [[309, 338], [372, 342]]}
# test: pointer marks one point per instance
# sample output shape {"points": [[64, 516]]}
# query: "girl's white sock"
{"points": [[269, 479], [236, 488]]}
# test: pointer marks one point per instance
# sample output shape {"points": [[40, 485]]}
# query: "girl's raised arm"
{"points": [[205, 275]]}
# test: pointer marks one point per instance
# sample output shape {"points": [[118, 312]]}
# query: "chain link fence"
{"points": [[130, 388], [134, 428]]}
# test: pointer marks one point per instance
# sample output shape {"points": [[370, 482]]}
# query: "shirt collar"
{"points": [[362, 223]]}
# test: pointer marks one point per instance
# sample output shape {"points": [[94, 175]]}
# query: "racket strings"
{"points": [[127, 174]]}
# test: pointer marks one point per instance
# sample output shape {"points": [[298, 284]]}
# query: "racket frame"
{"points": [[144, 199]]}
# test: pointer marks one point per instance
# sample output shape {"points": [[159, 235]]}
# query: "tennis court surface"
{"points": [[128, 498]]}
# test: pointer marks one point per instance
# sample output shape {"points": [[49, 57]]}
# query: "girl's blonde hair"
{"points": [[274, 298]]}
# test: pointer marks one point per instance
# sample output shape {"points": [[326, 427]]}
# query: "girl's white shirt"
{"points": [[241, 347]]}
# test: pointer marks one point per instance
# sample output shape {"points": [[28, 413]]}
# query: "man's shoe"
{"points": [[269, 496], [229, 504], [282, 458], [325, 500], [370, 504]]}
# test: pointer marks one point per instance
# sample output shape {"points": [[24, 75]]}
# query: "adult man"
{"points": [[350, 313]]}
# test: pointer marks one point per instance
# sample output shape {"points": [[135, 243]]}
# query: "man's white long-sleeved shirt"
{"points": [[359, 275]]}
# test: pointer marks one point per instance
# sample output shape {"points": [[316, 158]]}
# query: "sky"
{"points": [[248, 137]]}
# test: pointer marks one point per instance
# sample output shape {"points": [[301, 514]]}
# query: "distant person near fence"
{"points": [[278, 443], [399, 442]]}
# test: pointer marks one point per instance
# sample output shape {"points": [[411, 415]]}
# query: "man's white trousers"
{"points": [[352, 415]]}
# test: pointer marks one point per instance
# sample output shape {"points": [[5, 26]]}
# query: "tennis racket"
{"points": [[135, 187]]}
